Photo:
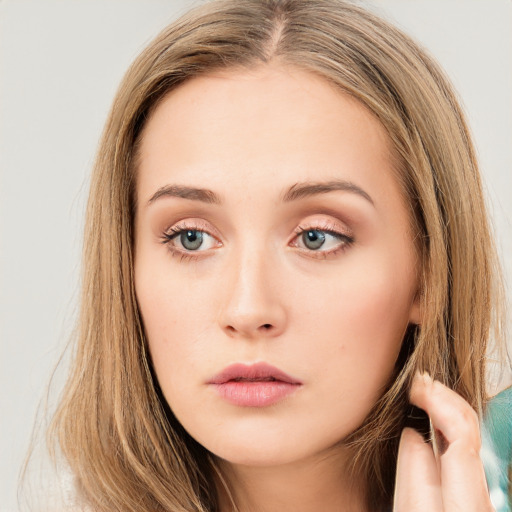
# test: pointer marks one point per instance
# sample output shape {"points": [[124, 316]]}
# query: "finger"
{"points": [[463, 483], [449, 412], [418, 487]]}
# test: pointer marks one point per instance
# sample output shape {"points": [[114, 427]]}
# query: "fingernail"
{"points": [[423, 378], [427, 378]]}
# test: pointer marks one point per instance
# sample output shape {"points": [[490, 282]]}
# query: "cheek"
{"points": [[374, 306], [176, 322], [360, 317]]}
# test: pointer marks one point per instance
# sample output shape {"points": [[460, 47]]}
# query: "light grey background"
{"points": [[60, 63]]}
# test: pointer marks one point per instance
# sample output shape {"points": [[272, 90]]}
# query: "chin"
{"points": [[267, 447], [253, 454]]}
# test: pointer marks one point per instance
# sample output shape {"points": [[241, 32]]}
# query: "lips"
{"points": [[257, 385], [253, 372]]}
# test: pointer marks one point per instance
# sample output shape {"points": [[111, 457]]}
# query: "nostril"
{"points": [[244, 330]]}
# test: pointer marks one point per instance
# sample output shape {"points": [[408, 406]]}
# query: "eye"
{"points": [[183, 239], [321, 240], [192, 239], [314, 238]]}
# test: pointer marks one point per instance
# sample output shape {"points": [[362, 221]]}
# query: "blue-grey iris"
{"points": [[313, 239], [191, 239]]}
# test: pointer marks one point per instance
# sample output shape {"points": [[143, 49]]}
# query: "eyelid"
{"points": [[172, 232], [342, 232], [194, 225], [328, 226], [323, 224]]}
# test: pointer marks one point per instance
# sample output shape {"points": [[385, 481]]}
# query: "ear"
{"points": [[416, 313]]}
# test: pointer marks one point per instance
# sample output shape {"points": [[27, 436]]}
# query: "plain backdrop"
{"points": [[60, 64]]}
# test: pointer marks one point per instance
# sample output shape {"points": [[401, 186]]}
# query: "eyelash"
{"points": [[174, 232], [345, 240], [185, 255]]}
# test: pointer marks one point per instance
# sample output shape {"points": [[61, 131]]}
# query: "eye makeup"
{"points": [[314, 233], [317, 239]]}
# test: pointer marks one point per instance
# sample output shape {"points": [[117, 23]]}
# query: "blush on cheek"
{"points": [[371, 326]]}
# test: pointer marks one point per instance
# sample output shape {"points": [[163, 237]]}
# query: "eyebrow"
{"points": [[302, 190], [295, 192], [196, 194]]}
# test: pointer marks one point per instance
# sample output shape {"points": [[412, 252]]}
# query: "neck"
{"points": [[319, 483]]}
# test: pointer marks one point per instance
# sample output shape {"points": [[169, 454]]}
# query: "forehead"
{"points": [[272, 124]]}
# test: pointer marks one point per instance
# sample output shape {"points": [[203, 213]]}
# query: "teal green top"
{"points": [[497, 449]]}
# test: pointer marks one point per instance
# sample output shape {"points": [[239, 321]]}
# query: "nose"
{"points": [[253, 307]]}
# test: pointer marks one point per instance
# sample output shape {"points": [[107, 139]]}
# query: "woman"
{"points": [[285, 231]]}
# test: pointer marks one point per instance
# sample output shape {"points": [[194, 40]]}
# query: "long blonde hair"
{"points": [[115, 430]]}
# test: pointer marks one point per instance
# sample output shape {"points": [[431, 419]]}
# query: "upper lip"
{"points": [[252, 372]]}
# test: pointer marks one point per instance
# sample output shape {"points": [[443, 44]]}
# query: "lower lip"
{"points": [[255, 394]]}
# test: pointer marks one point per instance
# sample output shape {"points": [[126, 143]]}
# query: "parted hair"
{"points": [[117, 434]]}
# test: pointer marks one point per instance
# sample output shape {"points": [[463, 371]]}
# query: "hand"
{"points": [[455, 480]]}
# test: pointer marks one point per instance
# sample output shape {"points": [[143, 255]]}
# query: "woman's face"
{"points": [[270, 229]]}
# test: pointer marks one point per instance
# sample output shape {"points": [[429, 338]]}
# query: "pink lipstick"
{"points": [[256, 385]]}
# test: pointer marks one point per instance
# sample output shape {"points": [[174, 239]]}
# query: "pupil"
{"points": [[314, 239], [191, 240]]}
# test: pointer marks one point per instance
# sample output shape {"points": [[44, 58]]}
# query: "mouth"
{"points": [[258, 372], [256, 385]]}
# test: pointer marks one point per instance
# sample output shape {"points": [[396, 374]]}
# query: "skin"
{"points": [[333, 316]]}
